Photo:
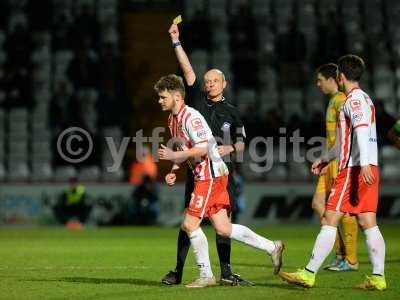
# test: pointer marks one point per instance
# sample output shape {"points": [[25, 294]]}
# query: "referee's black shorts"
{"points": [[189, 187]]}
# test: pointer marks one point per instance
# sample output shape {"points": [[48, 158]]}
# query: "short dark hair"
{"points": [[352, 66], [170, 83], [328, 70]]}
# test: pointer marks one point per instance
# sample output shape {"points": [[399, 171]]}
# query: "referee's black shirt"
{"points": [[222, 117], [225, 123]]}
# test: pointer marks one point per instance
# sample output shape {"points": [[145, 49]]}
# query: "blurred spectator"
{"points": [[143, 167], [72, 205], [295, 123], [86, 28], [108, 107], [110, 70], [315, 126], [394, 134], [252, 122], [291, 45], [61, 39], [18, 86], [60, 107], [291, 53], [145, 202], [331, 39], [243, 45], [197, 33], [40, 14], [272, 122], [384, 122], [18, 46], [83, 70], [4, 12]]}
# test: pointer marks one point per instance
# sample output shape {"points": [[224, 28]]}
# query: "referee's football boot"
{"points": [[235, 280], [172, 277]]}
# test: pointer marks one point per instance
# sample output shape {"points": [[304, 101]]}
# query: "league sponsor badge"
{"points": [[225, 126], [202, 134], [357, 116]]}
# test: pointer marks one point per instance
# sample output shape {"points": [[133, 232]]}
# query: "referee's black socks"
{"points": [[182, 250], [224, 254]]}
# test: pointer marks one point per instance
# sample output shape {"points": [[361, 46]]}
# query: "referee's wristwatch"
{"points": [[176, 44]]}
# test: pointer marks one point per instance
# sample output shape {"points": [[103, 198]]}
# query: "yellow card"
{"points": [[177, 20]]}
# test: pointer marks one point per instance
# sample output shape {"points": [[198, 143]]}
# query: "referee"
{"points": [[225, 123]]}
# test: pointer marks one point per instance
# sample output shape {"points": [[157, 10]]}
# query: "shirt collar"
{"points": [[211, 103], [180, 111]]}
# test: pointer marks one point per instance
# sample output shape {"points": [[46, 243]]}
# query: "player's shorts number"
{"points": [[198, 202]]}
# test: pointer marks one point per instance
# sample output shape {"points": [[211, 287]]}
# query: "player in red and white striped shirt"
{"points": [[197, 146], [356, 187]]}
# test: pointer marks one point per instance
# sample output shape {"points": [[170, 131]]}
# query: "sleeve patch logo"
{"points": [[357, 117], [197, 124]]}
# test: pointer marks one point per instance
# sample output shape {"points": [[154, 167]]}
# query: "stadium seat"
{"points": [[191, 7], [298, 171], [112, 176], [3, 36], [41, 172], [261, 9], [278, 172], [391, 172], [3, 57], [89, 174], [268, 99], [2, 172], [389, 154], [18, 171], [63, 174], [292, 100], [314, 99]]}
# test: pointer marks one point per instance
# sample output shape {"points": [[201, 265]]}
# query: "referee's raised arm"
{"points": [[184, 63]]}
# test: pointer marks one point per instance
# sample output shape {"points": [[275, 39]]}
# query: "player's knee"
{"points": [[330, 220], [365, 224], [223, 230], [188, 227], [314, 206]]}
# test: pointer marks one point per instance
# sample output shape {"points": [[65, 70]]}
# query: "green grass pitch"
{"points": [[128, 263]]}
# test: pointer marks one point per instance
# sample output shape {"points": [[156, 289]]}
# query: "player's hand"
{"points": [[225, 150], [324, 170], [166, 153], [367, 175], [174, 168], [170, 179], [319, 166], [174, 33]]}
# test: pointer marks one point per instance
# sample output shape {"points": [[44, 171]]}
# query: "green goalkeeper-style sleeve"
{"points": [[396, 127]]}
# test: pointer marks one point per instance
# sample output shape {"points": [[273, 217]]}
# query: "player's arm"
{"points": [[238, 136], [181, 55], [360, 117], [320, 166], [237, 147], [166, 153], [170, 178]]}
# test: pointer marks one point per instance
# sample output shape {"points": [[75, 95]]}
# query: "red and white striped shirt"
{"points": [[358, 112], [189, 129]]}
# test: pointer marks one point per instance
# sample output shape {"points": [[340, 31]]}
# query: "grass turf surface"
{"points": [[128, 263]]}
